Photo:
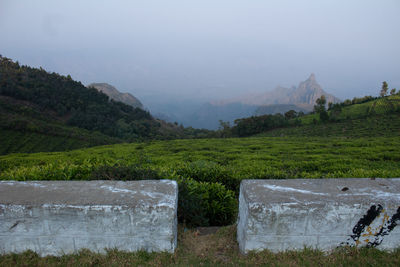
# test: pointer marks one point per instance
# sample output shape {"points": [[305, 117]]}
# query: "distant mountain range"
{"points": [[303, 96], [116, 95], [280, 100]]}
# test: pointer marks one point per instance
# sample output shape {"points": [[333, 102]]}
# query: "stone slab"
{"points": [[324, 214], [62, 217]]}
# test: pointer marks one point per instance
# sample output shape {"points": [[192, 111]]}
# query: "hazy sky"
{"points": [[208, 48]]}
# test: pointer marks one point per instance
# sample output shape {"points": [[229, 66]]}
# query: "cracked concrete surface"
{"points": [[292, 214], [56, 217]]}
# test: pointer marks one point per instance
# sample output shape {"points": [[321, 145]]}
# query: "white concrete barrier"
{"points": [[292, 214], [57, 217]]}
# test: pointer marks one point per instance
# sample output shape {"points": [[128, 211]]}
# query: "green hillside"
{"points": [[379, 106], [72, 104], [372, 126], [378, 117], [24, 127], [41, 111], [365, 116]]}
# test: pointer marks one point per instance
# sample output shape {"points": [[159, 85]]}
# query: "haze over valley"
{"points": [[181, 59], [300, 98]]}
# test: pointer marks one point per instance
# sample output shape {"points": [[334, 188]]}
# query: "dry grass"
{"points": [[216, 249], [219, 247]]}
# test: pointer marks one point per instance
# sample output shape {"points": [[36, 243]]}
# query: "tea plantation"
{"points": [[209, 171]]}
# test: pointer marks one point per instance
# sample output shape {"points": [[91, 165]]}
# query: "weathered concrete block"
{"points": [[292, 214], [56, 217]]}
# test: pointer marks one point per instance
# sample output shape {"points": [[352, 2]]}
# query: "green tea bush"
{"points": [[190, 211], [209, 171], [124, 173], [49, 171], [205, 204]]}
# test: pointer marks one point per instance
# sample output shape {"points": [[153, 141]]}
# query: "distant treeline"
{"points": [[259, 124]]}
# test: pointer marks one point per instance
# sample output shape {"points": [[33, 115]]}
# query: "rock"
{"points": [[57, 217], [321, 214], [116, 95]]}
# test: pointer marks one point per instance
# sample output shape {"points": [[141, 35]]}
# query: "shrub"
{"points": [[190, 211], [209, 171], [205, 204], [323, 115], [124, 173]]}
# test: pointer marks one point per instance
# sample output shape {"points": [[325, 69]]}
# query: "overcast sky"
{"points": [[208, 48]]}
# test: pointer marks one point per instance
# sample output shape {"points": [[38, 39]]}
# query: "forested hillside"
{"points": [[72, 103], [41, 111]]}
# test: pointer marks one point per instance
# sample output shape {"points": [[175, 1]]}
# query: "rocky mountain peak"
{"points": [[116, 95], [311, 78], [304, 95], [308, 92]]}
